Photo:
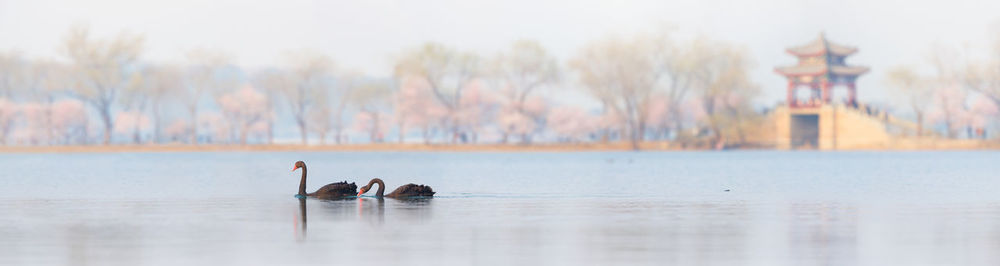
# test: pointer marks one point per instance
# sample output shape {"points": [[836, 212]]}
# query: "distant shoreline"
{"points": [[329, 147], [568, 147]]}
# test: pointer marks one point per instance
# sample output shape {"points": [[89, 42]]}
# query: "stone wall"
{"points": [[839, 128]]}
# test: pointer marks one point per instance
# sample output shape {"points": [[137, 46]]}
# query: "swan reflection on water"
{"points": [[372, 210], [302, 219], [367, 210]]}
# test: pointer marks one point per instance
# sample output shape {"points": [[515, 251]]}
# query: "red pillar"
{"points": [[852, 94], [826, 92], [816, 94], [791, 94]]}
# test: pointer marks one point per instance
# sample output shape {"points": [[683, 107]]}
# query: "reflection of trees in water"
{"points": [[95, 243], [672, 232], [933, 234], [824, 233]]}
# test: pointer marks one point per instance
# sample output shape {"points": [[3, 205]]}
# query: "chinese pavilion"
{"points": [[821, 66]]}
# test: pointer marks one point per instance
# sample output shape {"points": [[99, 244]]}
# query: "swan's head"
{"points": [[363, 190], [298, 165]]}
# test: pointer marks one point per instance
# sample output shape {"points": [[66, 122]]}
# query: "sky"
{"points": [[365, 35]]}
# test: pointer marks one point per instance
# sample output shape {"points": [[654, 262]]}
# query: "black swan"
{"points": [[329, 191], [405, 191]]}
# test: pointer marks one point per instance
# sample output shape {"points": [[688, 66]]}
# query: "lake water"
{"points": [[624, 208]]}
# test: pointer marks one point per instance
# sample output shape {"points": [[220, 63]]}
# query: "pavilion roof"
{"points": [[812, 70], [848, 70], [821, 46]]}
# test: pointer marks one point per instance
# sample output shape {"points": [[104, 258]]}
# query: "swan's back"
{"points": [[412, 190], [339, 189]]}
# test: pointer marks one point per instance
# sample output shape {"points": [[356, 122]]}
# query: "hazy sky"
{"points": [[365, 34]]}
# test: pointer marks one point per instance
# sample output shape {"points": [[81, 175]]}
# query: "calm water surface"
{"points": [[781, 208]]}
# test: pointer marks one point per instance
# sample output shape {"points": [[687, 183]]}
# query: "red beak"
{"points": [[296, 168], [360, 193]]}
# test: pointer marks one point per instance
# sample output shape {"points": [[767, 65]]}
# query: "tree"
{"points": [[372, 123], [516, 123], [660, 117], [217, 127], [246, 110], [725, 89], [571, 124], [415, 108], [40, 82], [210, 71], [916, 89], [320, 121], [12, 67], [310, 78], [983, 77], [341, 97], [951, 108], [177, 130], [134, 122], [523, 69], [271, 81], [372, 98], [155, 84], [8, 114], [478, 109], [69, 121], [160, 83], [446, 72], [135, 99], [621, 74], [980, 113], [33, 127], [674, 64], [104, 68]]}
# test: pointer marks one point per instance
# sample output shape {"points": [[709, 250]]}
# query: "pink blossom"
{"points": [[658, 111], [416, 107], [261, 128], [950, 108], [571, 123], [129, 122], [513, 122], [475, 108], [981, 112], [69, 119], [535, 106], [8, 113], [610, 120], [696, 110], [215, 124], [35, 123], [243, 110], [177, 130], [985, 106], [372, 123]]}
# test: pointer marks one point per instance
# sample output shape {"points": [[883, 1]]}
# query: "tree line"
{"points": [[649, 86], [960, 96]]}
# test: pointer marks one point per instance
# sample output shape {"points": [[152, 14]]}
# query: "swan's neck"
{"points": [[381, 186], [302, 183]]}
